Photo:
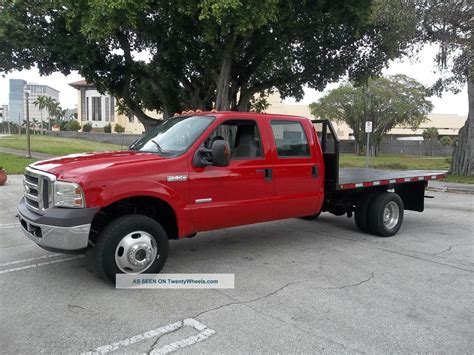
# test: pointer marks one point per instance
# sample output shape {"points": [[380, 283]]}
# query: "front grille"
{"points": [[38, 189]]}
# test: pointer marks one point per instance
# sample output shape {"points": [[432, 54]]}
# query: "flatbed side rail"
{"points": [[330, 148]]}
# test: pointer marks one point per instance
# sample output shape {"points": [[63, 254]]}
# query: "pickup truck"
{"points": [[202, 171]]}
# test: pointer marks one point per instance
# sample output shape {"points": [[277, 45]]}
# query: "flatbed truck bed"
{"points": [[351, 178]]}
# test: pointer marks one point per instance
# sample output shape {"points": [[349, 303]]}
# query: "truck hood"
{"points": [[76, 166]]}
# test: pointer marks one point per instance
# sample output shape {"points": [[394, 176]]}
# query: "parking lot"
{"points": [[300, 286]]}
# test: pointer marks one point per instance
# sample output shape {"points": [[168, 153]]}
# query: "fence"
{"points": [[396, 147], [346, 146]]}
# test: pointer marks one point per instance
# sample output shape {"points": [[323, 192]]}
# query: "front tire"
{"points": [[385, 214], [132, 244]]}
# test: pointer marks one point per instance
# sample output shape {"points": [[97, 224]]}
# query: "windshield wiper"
{"points": [[157, 145]]}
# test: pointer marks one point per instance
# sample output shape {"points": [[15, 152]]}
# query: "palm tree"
{"points": [[52, 106], [430, 134], [41, 102]]}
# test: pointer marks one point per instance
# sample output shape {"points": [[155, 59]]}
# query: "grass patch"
{"points": [[396, 162], [460, 179], [14, 164], [55, 145]]}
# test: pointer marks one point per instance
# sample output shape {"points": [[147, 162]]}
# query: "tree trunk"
{"points": [[463, 156], [223, 84]]}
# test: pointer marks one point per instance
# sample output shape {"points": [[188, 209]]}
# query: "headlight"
{"points": [[68, 194]]}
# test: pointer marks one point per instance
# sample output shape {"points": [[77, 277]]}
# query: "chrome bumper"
{"points": [[56, 238]]}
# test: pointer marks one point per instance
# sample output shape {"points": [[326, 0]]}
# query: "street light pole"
{"points": [[28, 148]]}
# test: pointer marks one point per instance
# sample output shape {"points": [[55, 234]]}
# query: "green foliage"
{"points": [[200, 53], [73, 125], [446, 140], [119, 129], [430, 133], [387, 102], [108, 128], [87, 127]]}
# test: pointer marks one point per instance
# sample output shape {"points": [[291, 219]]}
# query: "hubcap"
{"points": [[391, 214], [136, 252]]}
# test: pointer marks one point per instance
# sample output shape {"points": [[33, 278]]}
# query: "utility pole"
{"points": [[28, 147], [368, 130]]}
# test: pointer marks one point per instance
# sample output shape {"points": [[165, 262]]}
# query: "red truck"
{"points": [[203, 171]]}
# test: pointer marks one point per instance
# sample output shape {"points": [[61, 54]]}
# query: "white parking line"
{"points": [[30, 259], [41, 264], [10, 225], [205, 333]]}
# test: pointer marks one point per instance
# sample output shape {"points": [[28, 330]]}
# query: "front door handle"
{"points": [[268, 173], [314, 171]]}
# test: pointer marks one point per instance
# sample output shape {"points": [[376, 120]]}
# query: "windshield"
{"points": [[174, 136]]}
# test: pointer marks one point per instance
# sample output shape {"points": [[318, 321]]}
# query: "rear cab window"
{"points": [[290, 139]]}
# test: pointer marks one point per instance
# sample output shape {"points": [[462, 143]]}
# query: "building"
{"points": [[101, 110], [35, 90], [4, 117], [277, 106], [17, 101], [447, 124]]}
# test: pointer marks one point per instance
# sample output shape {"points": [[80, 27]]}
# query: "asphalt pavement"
{"points": [[301, 287]]}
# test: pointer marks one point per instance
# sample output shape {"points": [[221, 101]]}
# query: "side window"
{"points": [[241, 135], [290, 139]]}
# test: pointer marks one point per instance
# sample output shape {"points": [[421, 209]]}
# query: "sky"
{"points": [[422, 69]]}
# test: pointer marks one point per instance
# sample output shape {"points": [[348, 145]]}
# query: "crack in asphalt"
{"points": [[152, 347], [351, 285], [389, 250], [450, 247], [248, 302], [80, 310]]}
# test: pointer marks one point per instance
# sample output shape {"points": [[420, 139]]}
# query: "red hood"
{"points": [[75, 166]]}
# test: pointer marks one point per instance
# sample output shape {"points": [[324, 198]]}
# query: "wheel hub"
{"points": [[391, 215], [140, 254], [136, 252]]}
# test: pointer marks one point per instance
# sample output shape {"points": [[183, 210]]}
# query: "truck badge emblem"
{"points": [[174, 178]]}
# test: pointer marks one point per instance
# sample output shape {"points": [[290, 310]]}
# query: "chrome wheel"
{"points": [[391, 214], [136, 252]]}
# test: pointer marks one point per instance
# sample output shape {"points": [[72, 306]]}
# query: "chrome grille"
{"points": [[38, 189]]}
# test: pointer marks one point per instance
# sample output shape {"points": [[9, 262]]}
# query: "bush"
{"points": [[119, 129], [446, 141], [73, 125], [108, 128], [87, 127]]}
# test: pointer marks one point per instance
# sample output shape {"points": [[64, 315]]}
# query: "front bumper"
{"points": [[59, 229]]}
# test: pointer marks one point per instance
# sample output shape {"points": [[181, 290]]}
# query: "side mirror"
{"points": [[218, 155]]}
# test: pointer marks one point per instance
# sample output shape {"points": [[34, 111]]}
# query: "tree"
{"points": [[445, 141], [41, 102], [449, 25], [200, 53], [387, 102], [430, 134]]}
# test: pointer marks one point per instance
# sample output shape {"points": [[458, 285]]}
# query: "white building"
{"points": [[4, 113], [35, 90]]}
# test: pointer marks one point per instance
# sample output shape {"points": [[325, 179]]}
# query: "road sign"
{"points": [[368, 126]]}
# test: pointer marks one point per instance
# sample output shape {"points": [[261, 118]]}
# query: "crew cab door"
{"points": [[297, 168], [241, 193]]}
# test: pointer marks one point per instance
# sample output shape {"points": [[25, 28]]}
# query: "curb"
{"points": [[450, 189]]}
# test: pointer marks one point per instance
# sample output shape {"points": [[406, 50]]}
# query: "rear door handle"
{"points": [[314, 171]]}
